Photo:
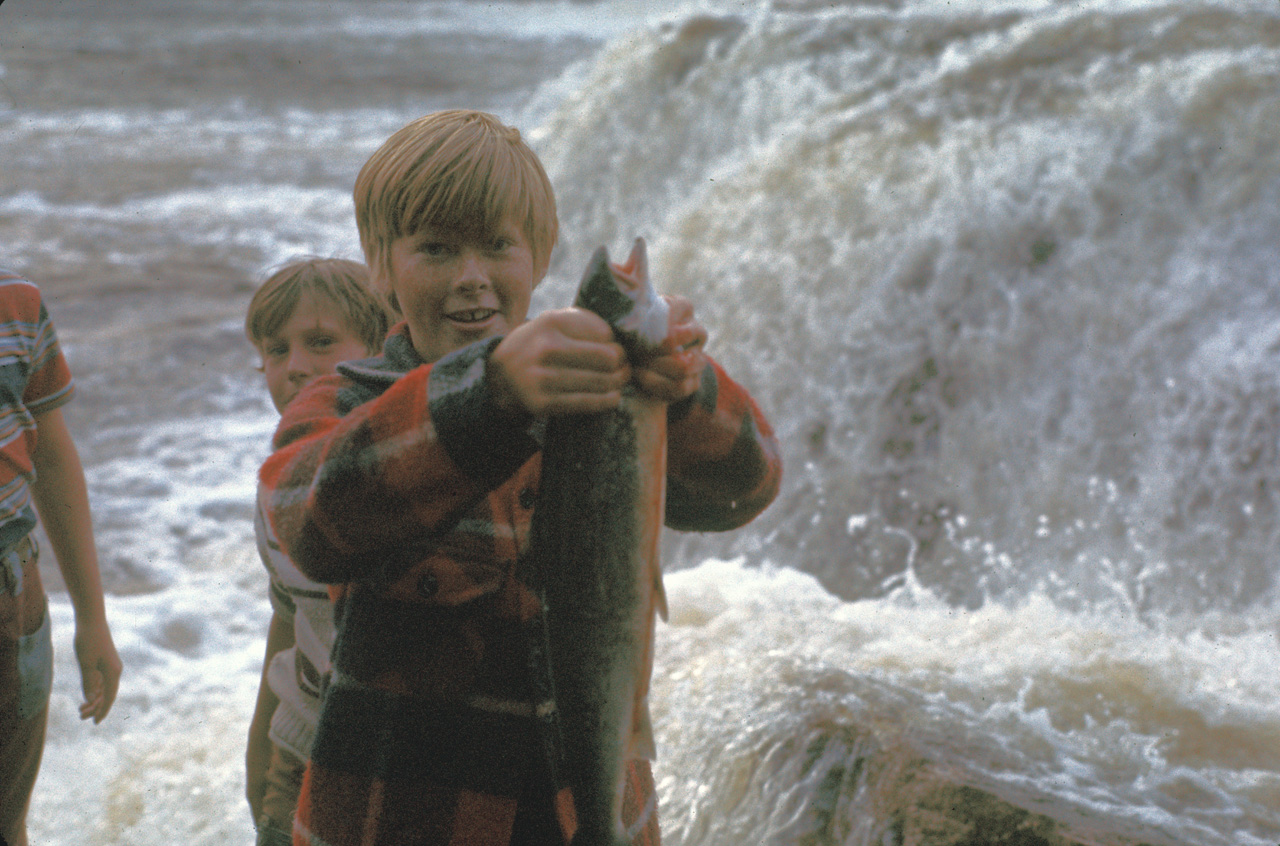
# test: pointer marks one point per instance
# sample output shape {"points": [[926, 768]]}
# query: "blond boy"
{"points": [[307, 317], [408, 482]]}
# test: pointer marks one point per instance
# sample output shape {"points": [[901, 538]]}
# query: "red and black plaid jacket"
{"points": [[402, 485]]}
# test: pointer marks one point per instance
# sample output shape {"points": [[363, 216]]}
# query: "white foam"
{"points": [[1115, 719]]}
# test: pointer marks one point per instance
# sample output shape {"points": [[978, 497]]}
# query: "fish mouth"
{"points": [[471, 317]]}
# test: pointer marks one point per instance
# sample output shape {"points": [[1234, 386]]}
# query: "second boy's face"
{"points": [[455, 290], [310, 344]]}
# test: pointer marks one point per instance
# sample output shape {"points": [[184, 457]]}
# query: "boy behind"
{"points": [[409, 481], [308, 316], [39, 466]]}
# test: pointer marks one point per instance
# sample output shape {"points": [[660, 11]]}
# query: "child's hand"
{"points": [[561, 362], [676, 374], [99, 669]]}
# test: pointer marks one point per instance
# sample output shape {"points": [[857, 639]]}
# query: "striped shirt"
{"points": [[295, 675], [34, 378]]}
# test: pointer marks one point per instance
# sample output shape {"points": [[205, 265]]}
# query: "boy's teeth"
{"points": [[473, 316]]}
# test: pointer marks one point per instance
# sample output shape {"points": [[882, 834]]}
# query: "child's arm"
{"points": [[724, 464], [258, 752], [346, 490], [62, 500], [561, 362], [385, 476], [343, 492], [678, 374]]}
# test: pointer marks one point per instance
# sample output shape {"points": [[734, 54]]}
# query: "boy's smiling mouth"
{"points": [[471, 316]]}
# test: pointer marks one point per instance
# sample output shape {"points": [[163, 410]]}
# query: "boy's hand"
{"points": [[561, 362], [676, 374], [99, 669]]}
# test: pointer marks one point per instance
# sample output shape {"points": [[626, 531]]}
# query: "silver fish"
{"points": [[596, 531]]}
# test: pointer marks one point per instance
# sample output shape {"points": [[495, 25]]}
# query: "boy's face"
{"points": [[454, 290], [308, 345]]}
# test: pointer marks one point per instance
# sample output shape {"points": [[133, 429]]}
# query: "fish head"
{"points": [[623, 295]]}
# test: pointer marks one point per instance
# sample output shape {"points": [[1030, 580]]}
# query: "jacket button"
{"points": [[527, 498], [428, 584]]}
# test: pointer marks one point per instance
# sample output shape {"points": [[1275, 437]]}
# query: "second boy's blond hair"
{"points": [[342, 282], [462, 170]]}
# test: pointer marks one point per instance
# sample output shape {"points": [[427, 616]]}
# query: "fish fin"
{"points": [[636, 266], [640, 745], [598, 264]]}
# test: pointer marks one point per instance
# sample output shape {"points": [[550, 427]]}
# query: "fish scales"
{"points": [[596, 535]]}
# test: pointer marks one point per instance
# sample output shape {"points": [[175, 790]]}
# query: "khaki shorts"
{"points": [[280, 798]]}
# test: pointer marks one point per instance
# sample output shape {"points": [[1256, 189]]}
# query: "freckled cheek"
{"points": [[278, 388], [420, 303]]}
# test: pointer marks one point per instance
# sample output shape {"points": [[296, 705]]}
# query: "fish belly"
{"points": [[599, 515]]}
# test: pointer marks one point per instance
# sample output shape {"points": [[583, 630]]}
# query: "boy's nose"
{"points": [[471, 276], [299, 369]]}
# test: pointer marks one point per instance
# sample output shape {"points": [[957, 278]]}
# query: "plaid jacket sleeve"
{"points": [[724, 465], [344, 490]]}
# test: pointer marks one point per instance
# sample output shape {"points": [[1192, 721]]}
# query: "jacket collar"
{"points": [[398, 358]]}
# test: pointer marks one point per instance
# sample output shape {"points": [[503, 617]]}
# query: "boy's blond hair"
{"points": [[459, 169], [343, 282]]}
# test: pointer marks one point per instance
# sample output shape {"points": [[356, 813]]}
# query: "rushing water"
{"points": [[1005, 274]]}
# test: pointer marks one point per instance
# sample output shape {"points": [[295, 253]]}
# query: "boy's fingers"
{"points": [[566, 338], [680, 308], [665, 389], [685, 336], [672, 377], [678, 367], [684, 332], [562, 362], [99, 681], [111, 686], [579, 324], [601, 357], [579, 391], [696, 338], [91, 685], [586, 380]]}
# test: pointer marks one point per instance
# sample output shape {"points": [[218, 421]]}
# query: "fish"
{"points": [[596, 530]]}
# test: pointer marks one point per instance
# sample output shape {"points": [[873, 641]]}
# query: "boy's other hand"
{"points": [[677, 373], [561, 362], [100, 669]]}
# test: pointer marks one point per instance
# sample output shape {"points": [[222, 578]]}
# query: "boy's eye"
{"points": [[435, 249], [276, 350]]}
